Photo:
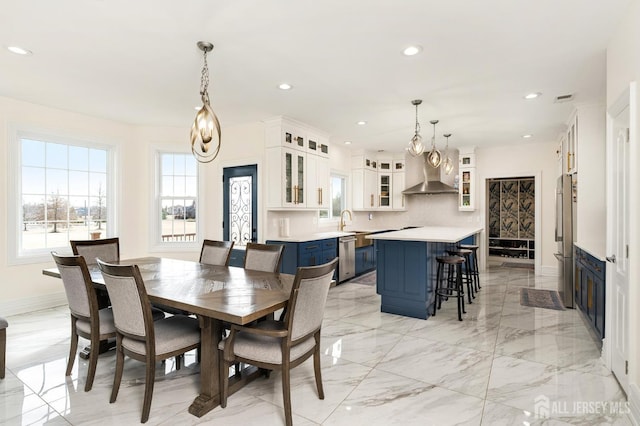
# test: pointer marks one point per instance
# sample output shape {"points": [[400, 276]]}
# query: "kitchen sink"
{"points": [[361, 241]]}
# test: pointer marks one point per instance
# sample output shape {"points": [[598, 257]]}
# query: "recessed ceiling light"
{"points": [[361, 123], [285, 86], [19, 50], [532, 95], [347, 142], [412, 50], [527, 136]]}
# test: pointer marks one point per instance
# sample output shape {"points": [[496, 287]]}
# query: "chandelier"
{"points": [[447, 164], [416, 148], [205, 131], [434, 158]]}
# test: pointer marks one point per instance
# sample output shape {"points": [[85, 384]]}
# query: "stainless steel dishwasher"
{"points": [[346, 258]]}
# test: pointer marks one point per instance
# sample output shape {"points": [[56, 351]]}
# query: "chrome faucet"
{"points": [[342, 218]]}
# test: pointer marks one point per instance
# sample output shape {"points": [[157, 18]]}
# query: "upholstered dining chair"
{"points": [[137, 335], [216, 252], [283, 345], [3, 346], [263, 257], [87, 319], [106, 249]]}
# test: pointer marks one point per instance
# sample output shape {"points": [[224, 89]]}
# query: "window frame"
{"points": [[15, 253], [334, 219], [155, 243]]}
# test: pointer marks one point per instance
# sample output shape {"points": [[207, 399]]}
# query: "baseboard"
{"points": [[548, 271], [30, 304], [634, 403]]}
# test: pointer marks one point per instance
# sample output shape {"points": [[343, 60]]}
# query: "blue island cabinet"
{"points": [[406, 268], [406, 276]]}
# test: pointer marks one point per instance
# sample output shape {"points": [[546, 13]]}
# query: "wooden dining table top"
{"points": [[226, 293]]}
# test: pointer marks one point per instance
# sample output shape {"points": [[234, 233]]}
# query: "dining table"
{"points": [[216, 294]]}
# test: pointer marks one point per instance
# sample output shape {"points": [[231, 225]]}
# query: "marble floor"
{"points": [[505, 364]]}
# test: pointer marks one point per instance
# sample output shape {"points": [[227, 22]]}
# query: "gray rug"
{"points": [[518, 265], [535, 298], [368, 279]]}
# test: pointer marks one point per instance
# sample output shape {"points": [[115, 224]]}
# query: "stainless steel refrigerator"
{"points": [[565, 232]]}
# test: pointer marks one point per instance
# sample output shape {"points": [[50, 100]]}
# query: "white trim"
{"points": [[17, 131], [634, 403], [482, 206], [32, 303]]}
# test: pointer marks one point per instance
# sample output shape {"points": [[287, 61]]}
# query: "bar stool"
{"points": [[474, 265], [453, 279], [466, 254]]}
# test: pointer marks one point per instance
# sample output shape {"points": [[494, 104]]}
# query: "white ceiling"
{"points": [[137, 62]]}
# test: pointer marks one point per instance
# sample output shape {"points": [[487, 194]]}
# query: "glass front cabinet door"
{"points": [[467, 180]]}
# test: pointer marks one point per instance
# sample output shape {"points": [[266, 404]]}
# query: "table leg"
{"points": [[209, 398], [105, 346]]}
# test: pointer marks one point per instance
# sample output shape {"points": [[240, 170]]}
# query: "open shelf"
{"points": [[512, 248]]}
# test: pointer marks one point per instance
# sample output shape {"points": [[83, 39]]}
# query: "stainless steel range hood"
{"points": [[432, 183]]}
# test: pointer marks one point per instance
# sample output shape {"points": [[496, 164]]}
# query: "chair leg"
{"points": [[286, 393], [117, 377], [150, 377], [316, 367], [93, 362], [178, 361], [3, 352], [149, 381], [74, 347]]}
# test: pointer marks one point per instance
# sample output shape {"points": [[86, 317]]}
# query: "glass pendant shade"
{"points": [[434, 158], [206, 136], [447, 164], [416, 147]]}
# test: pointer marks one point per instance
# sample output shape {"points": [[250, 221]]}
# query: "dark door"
{"points": [[240, 204]]}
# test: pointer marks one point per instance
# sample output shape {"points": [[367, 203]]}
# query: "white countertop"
{"points": [[312, 237], [436, 234], [591, 250]]}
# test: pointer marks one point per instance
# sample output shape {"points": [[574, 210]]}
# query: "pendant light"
{"points": [[434, 158], [416, 148], [447, 164], [205, 131]]}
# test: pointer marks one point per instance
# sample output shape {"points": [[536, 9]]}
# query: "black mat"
{"points": [[535, 298]]}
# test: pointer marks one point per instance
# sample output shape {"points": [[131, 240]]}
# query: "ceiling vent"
{"points": [[563, 98]]}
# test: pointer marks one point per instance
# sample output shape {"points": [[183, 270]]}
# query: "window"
{"points": [[62, 192], [177, 207], [338, 189]]}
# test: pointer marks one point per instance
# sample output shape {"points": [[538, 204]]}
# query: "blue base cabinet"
{"points": [[237, 258], [590, 290], [308, 253], [365, 259]]}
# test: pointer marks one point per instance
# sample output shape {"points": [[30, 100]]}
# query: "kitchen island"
{"points": [[406, 265]]}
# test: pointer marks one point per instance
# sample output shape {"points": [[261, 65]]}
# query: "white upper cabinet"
{"points": [[297, 165], [377, 182]]}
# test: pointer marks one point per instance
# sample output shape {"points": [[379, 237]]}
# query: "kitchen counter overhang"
{"points": [[435, 234]]}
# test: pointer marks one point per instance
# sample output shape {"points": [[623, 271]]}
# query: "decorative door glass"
{"points": [[240, 208]]}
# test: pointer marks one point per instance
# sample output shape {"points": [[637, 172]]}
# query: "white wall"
{"points": [[623, 67], [23, 287]]}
